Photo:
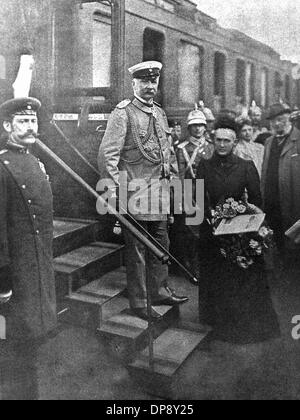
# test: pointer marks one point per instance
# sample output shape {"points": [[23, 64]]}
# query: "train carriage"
{"points": [[83, 48]]}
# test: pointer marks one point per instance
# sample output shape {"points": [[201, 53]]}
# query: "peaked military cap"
{"points": [[19, 106], [278, 109], [145, 70], [173, 123]]}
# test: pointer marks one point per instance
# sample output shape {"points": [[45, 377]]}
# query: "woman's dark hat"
{"points": [[226, 121]]}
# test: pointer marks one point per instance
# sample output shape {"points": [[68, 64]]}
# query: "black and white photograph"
{"points": [[149, 203]]}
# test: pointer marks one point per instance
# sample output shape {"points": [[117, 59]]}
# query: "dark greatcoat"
{"points": [[26, 235], [234, 301]]}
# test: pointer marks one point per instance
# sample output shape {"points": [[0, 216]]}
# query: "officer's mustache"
{"points": [[29, 133]]}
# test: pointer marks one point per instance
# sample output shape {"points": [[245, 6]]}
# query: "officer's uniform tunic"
{"points": [[138, 141], [26, 235], [189, 155]]}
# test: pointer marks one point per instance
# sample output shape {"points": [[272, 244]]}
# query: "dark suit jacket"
{"points": [[289, 178], [229, 179]]}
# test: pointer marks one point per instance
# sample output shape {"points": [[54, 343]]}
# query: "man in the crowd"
{"points": [[176, 133], [189, 155], [246, 148], [281, 173], [138, 142], [255, 114], [26, 268]]}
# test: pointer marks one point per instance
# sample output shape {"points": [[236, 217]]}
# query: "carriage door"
{"points": [[154, 49]]}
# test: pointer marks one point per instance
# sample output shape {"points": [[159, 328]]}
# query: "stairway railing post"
{"points": [[150, 324]]}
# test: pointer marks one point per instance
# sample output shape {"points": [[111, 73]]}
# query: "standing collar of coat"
{"points": [[197, 142], [15, 147], [143, 106], [231, 159]]}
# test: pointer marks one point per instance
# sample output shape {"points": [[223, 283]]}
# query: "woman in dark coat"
{"points": [[235, 302]]}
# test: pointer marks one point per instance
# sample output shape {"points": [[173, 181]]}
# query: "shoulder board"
{"points": [[157, 104], [2, 152], [182, 145], [124, 104]]}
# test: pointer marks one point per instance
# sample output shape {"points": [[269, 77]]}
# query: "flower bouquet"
{"points": [[244, 248]]}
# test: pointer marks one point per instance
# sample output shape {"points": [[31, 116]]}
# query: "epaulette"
{"points": [[124, 104], [157, 104], [3, 151], [182, 145]]}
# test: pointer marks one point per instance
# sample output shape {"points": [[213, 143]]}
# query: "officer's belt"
{"points": [[133, 124]]}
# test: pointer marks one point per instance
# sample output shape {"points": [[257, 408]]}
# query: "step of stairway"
{"points": [[70, 234], [172, 349], [85, 264], [125, 334], [92, 304]]}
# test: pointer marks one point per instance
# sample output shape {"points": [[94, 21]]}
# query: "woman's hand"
{"points": [[255, 209]]}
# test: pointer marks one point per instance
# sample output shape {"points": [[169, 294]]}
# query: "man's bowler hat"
{"points": [[278, 109]]}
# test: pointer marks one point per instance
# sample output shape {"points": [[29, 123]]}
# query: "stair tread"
{"points": [[93, 300], [126, 324], [102, 290], [108, 285], [84, 256], [66, 226], [171, 349]]}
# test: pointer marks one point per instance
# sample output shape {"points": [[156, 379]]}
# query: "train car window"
{"points": [[153, 45], [101, 50], [287, 88], [250, 83], [190, 60], [277, 86], [241, 81], [264, 88], [2, 67], [219, 80], [154, 49]]}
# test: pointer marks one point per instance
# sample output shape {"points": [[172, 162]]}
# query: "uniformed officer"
{"points": [[189, 155], [26, 234], [138, 142], [176, 133]]}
